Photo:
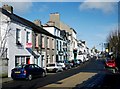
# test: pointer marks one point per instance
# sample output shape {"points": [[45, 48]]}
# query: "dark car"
{"points": [[27, 71]]}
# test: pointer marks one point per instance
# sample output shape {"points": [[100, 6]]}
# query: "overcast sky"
{"points": [[92, 20]]}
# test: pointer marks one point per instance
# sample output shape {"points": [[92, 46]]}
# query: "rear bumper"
{"points": [[110, 66], [52, 70], [18, 76]]}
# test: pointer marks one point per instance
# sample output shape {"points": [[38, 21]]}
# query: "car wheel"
{"points": [[56, 71], [114, 71], [14, 78], [29, 77], [66, 68], [43, 74]]}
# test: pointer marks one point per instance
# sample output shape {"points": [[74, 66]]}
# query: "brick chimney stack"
{"points": [[55, 17], [37, 22], [8, 8]]}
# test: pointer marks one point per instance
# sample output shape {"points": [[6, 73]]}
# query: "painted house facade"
{"points": [[58, 41], [20, 44], [19, 38], [45, 46]]}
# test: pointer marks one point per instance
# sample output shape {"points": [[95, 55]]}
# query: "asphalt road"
{"points": [[88, 75]]}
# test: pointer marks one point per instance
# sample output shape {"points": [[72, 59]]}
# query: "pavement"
{"points": [[76, 79], [4, 80]]}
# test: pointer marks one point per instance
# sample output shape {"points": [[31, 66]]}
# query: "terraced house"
{"points": [[21, 39], [71, 39], [58, 44], [26, 42]]}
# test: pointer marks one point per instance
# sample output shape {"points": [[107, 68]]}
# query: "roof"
{"points": [[46, 25], [26, 22], [54, 27]]}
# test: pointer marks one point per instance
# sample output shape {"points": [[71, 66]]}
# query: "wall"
{"points": [[49, 29], [13, 49]]}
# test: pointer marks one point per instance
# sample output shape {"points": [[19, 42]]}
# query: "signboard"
{"points": [[106, 50], [74, 50], [28, 45], [60, 53]]}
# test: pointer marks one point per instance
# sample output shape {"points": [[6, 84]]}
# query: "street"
{"points": [[88, 75], [33, 43]]}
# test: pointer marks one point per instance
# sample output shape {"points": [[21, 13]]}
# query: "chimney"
{"points": [[83, 42], [55, 17], [8, 8], [37, 22], [51, 23]]}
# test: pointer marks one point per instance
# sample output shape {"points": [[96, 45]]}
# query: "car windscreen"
{"points": [[20, 66], [50, 65], [60, 61]]}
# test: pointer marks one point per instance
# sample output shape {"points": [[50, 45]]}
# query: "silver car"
{"points": [[54, 67]]}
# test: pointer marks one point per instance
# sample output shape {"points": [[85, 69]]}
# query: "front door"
{"points": [[28, 60]]}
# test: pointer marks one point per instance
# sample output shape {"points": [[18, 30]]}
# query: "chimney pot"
{"points": [[8, 8], [37, 22]]}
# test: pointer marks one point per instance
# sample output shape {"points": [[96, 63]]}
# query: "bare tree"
{"points": [[114, 41], [4, 36]]}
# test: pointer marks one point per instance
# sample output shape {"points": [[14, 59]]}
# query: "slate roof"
{"points": [[26, 22]]}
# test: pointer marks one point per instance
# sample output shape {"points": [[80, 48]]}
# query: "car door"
{"points": [[59, 67], [31, 70], [38, 70]]}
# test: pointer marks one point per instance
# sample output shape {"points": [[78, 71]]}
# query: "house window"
{"points": [[48, 59], [52, 43], [43, 42], [48, 43], [57, 58], [36, 40], [27, 37], [55, 32], [60, 46], [52, 58], [21, 60], [57, 44], [18, 39]]}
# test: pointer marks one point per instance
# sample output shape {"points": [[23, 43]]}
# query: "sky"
{"points": [[93, 21]]}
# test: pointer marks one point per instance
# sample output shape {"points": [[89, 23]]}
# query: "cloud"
{"points": [[20, 7], [43, 8], [106, 7]]}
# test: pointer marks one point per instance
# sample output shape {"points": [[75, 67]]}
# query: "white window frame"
{"points": [[43, 42], [53, 43], [48, 42], [28, 37], [18, 35]]}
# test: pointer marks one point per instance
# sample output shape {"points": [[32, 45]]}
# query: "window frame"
{"points": [[18, 35]]}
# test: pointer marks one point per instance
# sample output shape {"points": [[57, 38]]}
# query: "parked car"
{"points": [[71, 63], [75, 64], [65, 65], [27, 71], [54, 67], [110, 64], [78, 62]]}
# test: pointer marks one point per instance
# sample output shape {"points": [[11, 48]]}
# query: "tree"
{"points": [[114, 41], [5, 33]]}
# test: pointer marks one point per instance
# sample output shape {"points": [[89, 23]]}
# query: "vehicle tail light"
{"points": [[25, 72]]}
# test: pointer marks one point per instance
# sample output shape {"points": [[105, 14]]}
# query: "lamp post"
{"points": [[102, 46]]}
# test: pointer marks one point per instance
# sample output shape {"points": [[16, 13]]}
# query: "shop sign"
{"points": [[28, 45]]}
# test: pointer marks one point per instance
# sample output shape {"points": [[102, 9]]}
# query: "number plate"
{"points": [[17, 72], [50, 69]]}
